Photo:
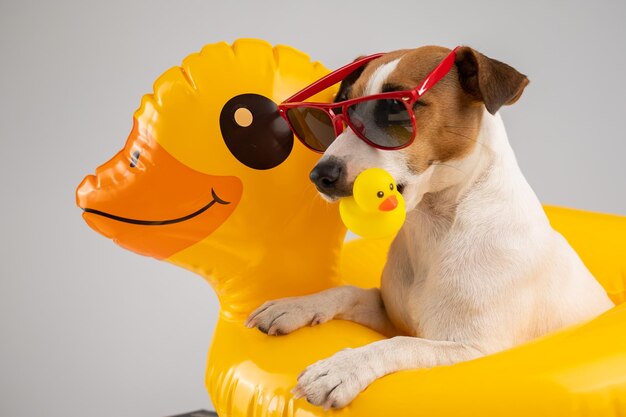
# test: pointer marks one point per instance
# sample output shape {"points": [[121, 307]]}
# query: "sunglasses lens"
{"points": [[312, 126], [386, 123]]}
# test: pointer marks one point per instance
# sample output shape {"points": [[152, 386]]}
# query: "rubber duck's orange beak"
{"points": [[151, 203], [389, 204]]}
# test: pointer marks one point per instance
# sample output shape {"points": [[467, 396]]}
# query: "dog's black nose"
{"points": [[327, 175]]}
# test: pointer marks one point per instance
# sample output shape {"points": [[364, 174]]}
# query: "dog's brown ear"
{"points": [[346, 84], [488, 80]]}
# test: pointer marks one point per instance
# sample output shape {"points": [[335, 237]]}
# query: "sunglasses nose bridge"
{"points": [[338, 122]]}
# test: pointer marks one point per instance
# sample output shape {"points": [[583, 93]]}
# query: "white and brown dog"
{"points": [[476, 267]]}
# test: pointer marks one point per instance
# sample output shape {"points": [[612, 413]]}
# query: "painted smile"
{"points": [[215, 200]]}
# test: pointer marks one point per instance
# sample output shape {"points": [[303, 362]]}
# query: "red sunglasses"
{"points": [[384, 121]]}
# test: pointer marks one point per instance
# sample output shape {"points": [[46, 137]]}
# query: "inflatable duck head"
{"points": [[210, 177]]}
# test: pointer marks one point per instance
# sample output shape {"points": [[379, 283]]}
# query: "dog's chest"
{"points": [[411, 284]]}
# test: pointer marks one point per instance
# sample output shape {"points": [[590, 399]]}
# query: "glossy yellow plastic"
{"points": [[269, 235], [376, 209]]}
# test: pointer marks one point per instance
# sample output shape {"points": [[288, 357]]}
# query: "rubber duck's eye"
{"points": [[134, 158], [380, 194], [391, 187], [254, 132]]}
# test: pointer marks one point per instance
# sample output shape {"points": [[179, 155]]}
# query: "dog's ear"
{"points": [[346, 84], [488, 80]]}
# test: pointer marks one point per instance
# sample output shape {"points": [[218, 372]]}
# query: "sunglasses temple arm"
{"points": [[438, 73], [331, 79]]}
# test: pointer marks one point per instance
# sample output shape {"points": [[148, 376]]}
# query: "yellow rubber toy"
{"points": [[210, 180], [376, 208]]}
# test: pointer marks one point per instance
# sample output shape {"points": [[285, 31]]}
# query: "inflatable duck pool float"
{"points": [[210, 179]]}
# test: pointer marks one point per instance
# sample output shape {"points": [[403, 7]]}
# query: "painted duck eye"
{"points": [[134, 158], [380, 194], [391, 187], [254, 132]]}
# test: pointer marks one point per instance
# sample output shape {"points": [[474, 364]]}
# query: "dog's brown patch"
{"points": [[449, 114]]}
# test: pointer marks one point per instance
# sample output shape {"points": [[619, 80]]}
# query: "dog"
{"points": [[475, 269]]}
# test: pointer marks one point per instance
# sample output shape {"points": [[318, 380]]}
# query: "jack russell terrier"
{"points": [[476, 268]]}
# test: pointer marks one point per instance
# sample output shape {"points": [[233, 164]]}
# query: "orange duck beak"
{"points": [[389, 203], [149, 202]]}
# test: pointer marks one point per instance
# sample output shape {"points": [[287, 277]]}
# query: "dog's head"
{"points": [[448, 117]]}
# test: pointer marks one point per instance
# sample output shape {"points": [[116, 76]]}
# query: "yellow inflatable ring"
{"points": [[210, 180]]}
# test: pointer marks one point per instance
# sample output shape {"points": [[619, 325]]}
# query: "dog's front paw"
{"points": [[285, 315], [334, 382]]}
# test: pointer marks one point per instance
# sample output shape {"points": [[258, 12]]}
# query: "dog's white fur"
{"points": [[478, 272]]}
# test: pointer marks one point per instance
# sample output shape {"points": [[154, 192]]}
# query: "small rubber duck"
{"points": [[376, 208]]}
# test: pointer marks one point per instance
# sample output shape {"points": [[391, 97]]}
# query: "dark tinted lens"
{"points": [[386, 123], [312, 126]]}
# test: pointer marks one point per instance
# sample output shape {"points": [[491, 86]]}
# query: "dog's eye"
{"points": [[134, 158], [380, 194], [391, 187], [391, 106]]}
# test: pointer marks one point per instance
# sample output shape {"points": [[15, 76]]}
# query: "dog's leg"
{"points": [[336, 381], [347, 302]]}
